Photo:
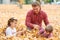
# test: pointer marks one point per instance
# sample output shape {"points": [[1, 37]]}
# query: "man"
{"points": [[35, 17]]}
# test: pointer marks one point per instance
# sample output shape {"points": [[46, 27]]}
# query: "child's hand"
{"points": [[19, 32]]}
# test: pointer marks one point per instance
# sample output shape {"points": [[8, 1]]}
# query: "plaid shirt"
{"points": [[32, 18]]}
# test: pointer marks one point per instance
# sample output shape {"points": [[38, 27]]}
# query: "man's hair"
{"points": [[34, 4], [49, 29], [11, 20]]}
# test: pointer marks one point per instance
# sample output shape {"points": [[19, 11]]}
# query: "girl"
{"points": [[11, 30]]}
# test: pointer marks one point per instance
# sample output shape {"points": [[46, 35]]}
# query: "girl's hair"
{"points": [[11, 20], [49, 29]]}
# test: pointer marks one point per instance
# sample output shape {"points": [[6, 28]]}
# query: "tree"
{"points": [[48, 1], [38, 0]]}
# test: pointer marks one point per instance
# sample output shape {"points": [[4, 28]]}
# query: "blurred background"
{"points": [[29, 1]]}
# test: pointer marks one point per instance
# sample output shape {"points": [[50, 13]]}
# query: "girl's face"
{"points": [[14, 23]]}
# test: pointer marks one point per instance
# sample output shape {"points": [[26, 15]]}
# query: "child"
{"points": [[11, 30], [47, 32]]}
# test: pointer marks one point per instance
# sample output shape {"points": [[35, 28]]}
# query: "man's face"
{"points": [[36, 9]]}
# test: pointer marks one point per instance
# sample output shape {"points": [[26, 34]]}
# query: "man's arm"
{"points": [[28, 21], [45, 19]]}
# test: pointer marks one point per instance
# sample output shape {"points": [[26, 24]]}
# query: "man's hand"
{"points": [[36, 26]]}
